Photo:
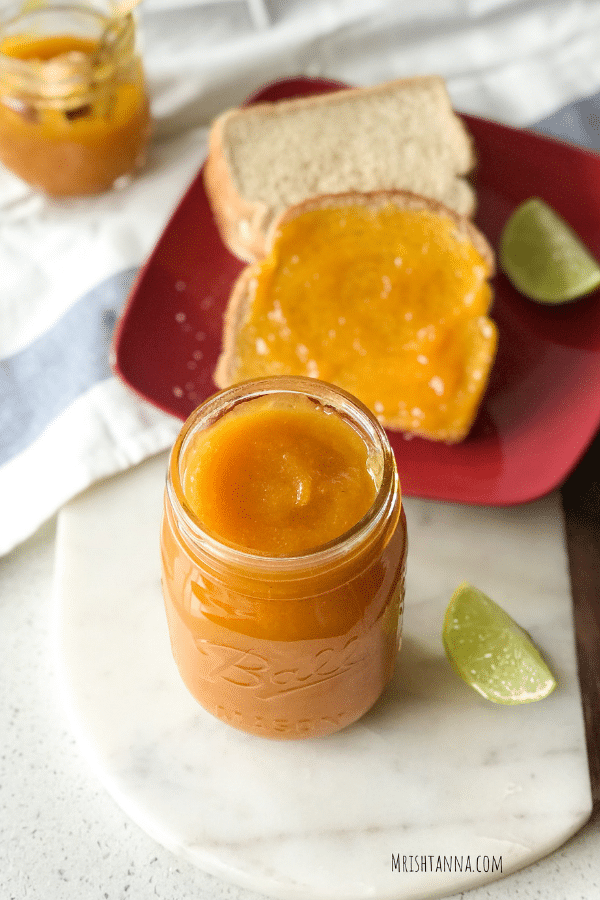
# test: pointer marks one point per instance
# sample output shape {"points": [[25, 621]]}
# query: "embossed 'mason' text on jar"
{"points": [[300, 643], [74, 111]]}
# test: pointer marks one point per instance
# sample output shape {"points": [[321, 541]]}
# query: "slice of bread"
{"points": [[399, 135], [385, 294]]}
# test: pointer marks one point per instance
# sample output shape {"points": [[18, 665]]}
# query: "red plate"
{"points": [[542, 406]]}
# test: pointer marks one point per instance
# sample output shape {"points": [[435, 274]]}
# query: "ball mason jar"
{"points": [[286, 647], [74, 111]]}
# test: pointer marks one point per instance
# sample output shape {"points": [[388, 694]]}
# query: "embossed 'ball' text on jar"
{"points": [[74, 111], [293, 644]]}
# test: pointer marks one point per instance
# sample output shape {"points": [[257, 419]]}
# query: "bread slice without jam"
{"points": [[385, 294], [264, 158]]}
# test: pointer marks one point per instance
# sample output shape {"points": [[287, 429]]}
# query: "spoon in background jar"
{"points": [[78, 69], [112, 29]]}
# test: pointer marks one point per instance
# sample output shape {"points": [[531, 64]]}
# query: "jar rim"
{"points": [[18, 11], [36, 76], [327, 554]]}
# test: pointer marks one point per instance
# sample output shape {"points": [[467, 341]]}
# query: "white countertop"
{"points": [[64, 838]]}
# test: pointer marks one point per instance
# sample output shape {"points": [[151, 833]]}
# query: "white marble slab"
{"points": [[433, 771]]}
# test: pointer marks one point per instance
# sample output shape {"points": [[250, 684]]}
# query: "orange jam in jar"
{"points": [[283, 557], [74, 112]]}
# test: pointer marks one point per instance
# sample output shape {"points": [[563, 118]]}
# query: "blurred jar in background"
{"points": [[74, 112]]}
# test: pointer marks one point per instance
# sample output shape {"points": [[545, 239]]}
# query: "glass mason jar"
{"points": [[74, 113], [286, 646]]}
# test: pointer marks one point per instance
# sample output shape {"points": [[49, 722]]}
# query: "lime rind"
{"points": [[491, 652], [543, 257]]}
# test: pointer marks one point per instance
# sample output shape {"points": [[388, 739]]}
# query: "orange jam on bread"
{"points": [[283, 556], [71, 123], [385, 295]]}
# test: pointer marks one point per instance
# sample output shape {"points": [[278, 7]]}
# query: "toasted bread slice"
{"points": [[384, 294], [399, 135]]}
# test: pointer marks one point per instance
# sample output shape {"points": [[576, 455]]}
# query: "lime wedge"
{"points": [[491, 652], [543, 257]]}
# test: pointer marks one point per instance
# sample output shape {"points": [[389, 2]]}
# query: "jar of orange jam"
{"points": [[283, 557], [74, 113]]}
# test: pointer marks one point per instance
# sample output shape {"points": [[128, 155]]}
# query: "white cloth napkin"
{"points": [[66, 267]]}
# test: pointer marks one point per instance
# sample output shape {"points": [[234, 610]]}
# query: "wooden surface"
{"points": [[581, 501]]}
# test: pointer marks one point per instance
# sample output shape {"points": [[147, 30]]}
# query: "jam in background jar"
{"points": [[74, 113], [298, 644]]}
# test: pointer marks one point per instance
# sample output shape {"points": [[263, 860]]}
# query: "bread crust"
{"points": [[229, 207], [242, 293], [243, 224], [238, 305]]}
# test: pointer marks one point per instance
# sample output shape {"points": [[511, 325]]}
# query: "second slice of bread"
{"points": [[264, 158]]}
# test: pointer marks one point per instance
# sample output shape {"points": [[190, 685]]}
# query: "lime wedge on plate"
{"points": [[543, 257], [491, 652]]}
